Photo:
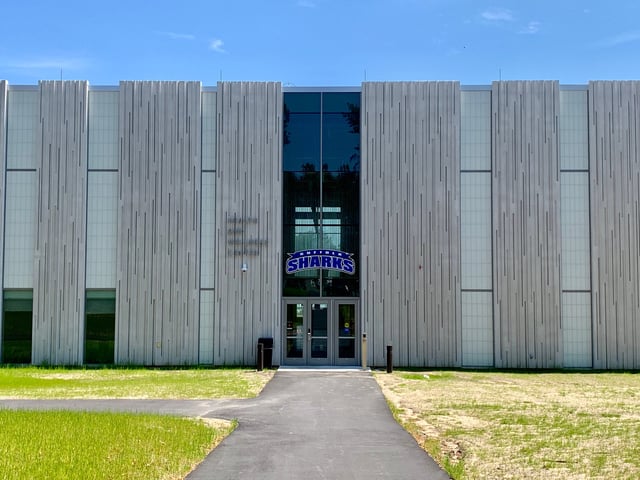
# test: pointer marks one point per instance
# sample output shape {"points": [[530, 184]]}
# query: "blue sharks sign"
{"points": [[323, 259]]}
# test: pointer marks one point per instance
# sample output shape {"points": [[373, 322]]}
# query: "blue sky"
{"points": [[320, 42]]}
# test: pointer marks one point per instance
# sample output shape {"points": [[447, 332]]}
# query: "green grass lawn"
{"points": [[542, 425], [38, 382], [83, 445], [80, 445]]}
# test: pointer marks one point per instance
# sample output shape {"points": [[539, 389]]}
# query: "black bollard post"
{"points": [[260, 357], [389, 359]]}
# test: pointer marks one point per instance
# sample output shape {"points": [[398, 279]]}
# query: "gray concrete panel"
{"points": [[526, 224], [410, 221], [60, 250], [248, 217], [614, 158], [157, 299]]}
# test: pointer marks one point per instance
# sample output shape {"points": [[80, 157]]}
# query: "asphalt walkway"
{"points": [[304, 425]]}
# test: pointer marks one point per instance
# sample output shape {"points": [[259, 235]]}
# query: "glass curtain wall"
{"points": [[321, 161]]}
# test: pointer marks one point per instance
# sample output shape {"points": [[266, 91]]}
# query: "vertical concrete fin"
{"points": [[60, 251], [526, 224], [614, 159], [158, 302], [410, 225], [248, 219]]}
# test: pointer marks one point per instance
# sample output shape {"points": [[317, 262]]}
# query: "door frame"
{"points": [[333, 336], [334, 318]]}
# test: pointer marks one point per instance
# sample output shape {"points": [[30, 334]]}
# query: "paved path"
{"points": [[317, 425], [304, 425]]}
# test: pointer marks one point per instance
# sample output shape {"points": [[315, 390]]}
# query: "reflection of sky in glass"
{"points": [[340, 146], [337, 102], [302, 102], [317, 139], [303, 132]]}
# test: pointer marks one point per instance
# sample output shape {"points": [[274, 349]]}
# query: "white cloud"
{"points": [[622, 38], [498, 15], [216, 45], [306, 4], [178, 36], [531, 28], [46, 64]]}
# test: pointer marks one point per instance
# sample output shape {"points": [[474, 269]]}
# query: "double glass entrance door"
{"points": [[321, 331]]}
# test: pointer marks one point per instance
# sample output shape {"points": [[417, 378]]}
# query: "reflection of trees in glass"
{"points": [[302, 190], [322, 196], [351, 125], [308, 167], [353, 119], [310, 180], [342, 189]]}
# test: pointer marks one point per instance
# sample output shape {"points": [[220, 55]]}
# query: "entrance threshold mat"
{"points": [[314, 368]]}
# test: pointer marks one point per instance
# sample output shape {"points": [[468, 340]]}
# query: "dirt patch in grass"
{"points": [[522, 425], [216, 422]]}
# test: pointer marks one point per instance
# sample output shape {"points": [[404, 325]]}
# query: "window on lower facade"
{"points": [[100, 327], [17, 326]]}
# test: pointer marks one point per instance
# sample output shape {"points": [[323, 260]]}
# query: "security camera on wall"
{"points": [[244, 267]]}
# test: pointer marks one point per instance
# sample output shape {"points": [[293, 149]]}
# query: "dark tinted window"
{"points": [[340, 143], [322, 211], [302, 102], [340, 102], [17, 326], [100, 311], [301, 149]]}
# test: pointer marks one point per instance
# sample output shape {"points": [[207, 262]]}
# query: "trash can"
{"points": [[267, 344]]}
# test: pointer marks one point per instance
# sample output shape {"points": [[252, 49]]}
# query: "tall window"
{"points": [[321, 159], [100, 328], [17, 321]]}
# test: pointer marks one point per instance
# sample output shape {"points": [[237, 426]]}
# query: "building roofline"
{"points": [[292, 89]]}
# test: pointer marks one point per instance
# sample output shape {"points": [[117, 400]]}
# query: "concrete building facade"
{"points": [[167, 223]]}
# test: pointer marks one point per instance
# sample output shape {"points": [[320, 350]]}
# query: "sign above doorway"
{"points": [[322, 259]]}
